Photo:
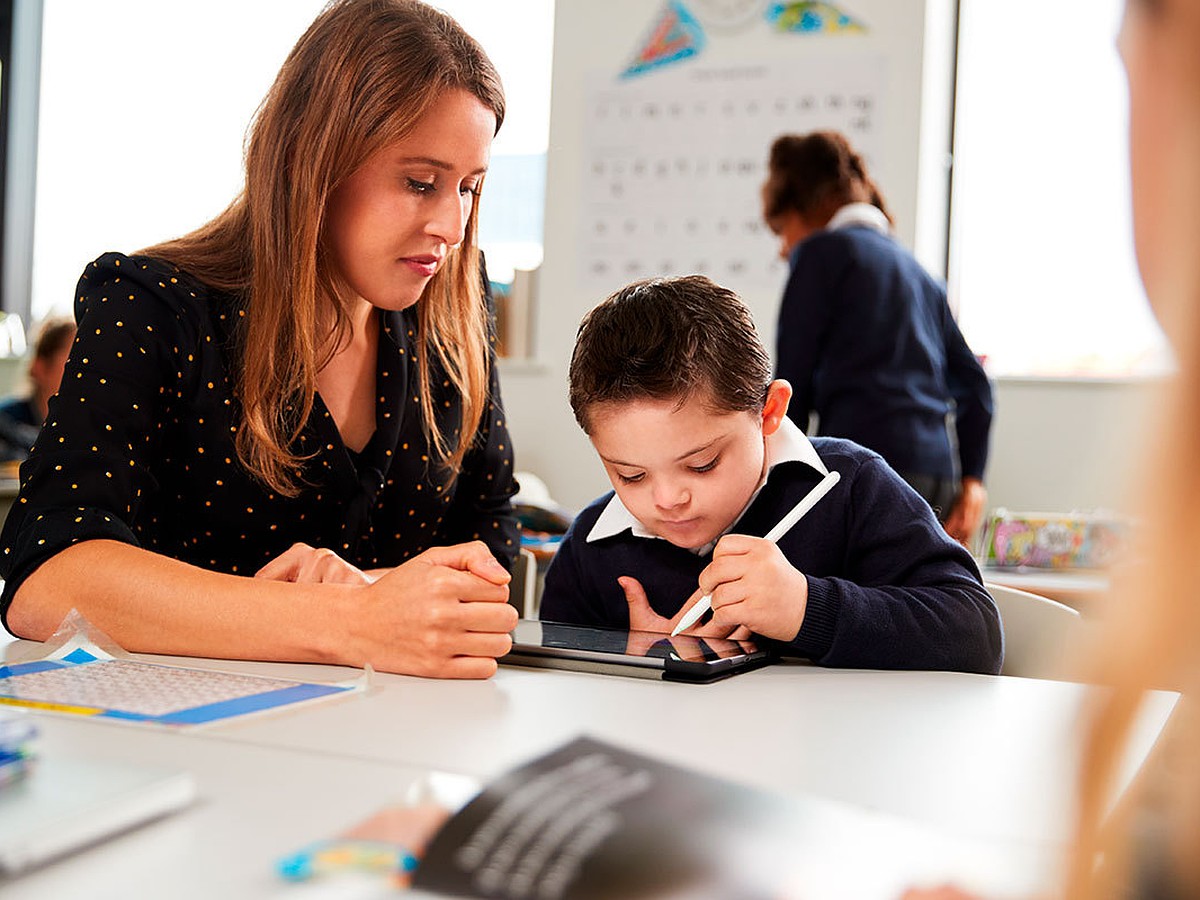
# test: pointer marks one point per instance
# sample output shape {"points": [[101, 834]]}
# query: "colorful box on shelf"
{"points": [[1052, 540]]}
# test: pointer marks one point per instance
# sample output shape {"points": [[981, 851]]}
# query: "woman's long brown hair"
{"points": [[359, 79]]}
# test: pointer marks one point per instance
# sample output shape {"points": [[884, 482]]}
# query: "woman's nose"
{"points": [[449, 220]]}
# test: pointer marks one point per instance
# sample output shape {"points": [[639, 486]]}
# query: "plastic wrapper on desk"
{"points": [[1052, 541]]}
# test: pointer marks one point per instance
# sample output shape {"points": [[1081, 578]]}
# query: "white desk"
{"points": [[988, 758], [255, 806], [982, 756]]}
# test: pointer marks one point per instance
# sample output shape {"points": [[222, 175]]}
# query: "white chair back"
{"points": [[523, 589], [1040, 634]]}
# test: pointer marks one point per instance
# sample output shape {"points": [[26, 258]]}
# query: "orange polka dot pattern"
{"points": [[138, 446]]}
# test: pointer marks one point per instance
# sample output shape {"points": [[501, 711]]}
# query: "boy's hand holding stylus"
{"points": [[754, 589], [753, 585]]}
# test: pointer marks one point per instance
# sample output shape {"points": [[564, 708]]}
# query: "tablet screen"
{"points": [[683, 657], [642, 643]]}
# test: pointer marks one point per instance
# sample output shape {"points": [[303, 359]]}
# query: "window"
{"points": [[1042, 267], [145, 104], [20, 31], [518, 37]]}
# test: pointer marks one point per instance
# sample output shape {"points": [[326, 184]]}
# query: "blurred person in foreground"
{"points": [[1149, 847]]}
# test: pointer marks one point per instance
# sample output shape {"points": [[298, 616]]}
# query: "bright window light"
{"points": [[1042, 267], [144, 107]]}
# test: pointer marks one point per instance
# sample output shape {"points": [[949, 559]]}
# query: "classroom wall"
{"points": [[1062, 445], [594, 41]]}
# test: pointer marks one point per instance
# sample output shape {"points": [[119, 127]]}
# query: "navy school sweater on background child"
{"points": [[887, 588], [867, 341]]}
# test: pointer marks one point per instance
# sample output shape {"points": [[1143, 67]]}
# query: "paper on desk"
{"points": [[81, 671]]}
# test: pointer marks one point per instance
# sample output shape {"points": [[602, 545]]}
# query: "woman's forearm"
{"points": [[443, 613], [152, 603]]}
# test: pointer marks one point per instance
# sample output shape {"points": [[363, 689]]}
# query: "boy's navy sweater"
{"points": [[887, 588]]}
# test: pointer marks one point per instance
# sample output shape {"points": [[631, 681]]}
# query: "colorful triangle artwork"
{"points": [[676, 36], [812, 17]]}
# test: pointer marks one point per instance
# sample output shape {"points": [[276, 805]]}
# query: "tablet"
{"points": [[641, 654]]}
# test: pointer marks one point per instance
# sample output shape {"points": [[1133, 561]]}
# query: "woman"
{"points": [[302, 388], [865, 335], [21, 417], [1151, 847]]}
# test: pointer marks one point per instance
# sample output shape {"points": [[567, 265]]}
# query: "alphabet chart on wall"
{"points": [[674, 161]]}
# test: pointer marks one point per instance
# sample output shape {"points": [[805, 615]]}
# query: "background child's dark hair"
{"points": [[817, 172], [669, 339], [53, 337]]}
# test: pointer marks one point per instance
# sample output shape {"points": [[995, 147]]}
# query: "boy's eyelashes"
{"points": [[701, 469]]}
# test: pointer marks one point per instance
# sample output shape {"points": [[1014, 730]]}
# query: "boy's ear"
{"points": [[779, 395]]}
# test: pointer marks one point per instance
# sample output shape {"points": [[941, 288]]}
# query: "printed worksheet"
{"points": [[87, 681]]}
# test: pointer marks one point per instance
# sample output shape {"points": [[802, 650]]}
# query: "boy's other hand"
{"points": [[753, 585], [642, 616]]}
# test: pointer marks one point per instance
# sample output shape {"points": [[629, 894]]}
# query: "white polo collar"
{"points": [[860, 214], [787, 444]]}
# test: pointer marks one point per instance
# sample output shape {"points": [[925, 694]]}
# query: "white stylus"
{"points": [[799, 511]]}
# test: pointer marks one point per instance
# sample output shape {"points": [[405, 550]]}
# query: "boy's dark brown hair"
{"points": [[669, 339]]}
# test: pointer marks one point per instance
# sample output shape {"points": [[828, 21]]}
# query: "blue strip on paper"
{"points": [[128, 716], [29, 668], [242, 705]]}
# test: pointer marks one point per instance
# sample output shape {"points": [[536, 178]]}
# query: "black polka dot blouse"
{"points": [[138, 446]]}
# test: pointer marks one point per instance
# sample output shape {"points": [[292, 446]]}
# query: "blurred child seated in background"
{"points": [[672, 384], [21, 417]]}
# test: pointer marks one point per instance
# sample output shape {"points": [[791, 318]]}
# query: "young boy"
{"points": [[673, 386]]}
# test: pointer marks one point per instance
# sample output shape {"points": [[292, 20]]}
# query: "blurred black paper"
{"points": [[591, 820]]}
